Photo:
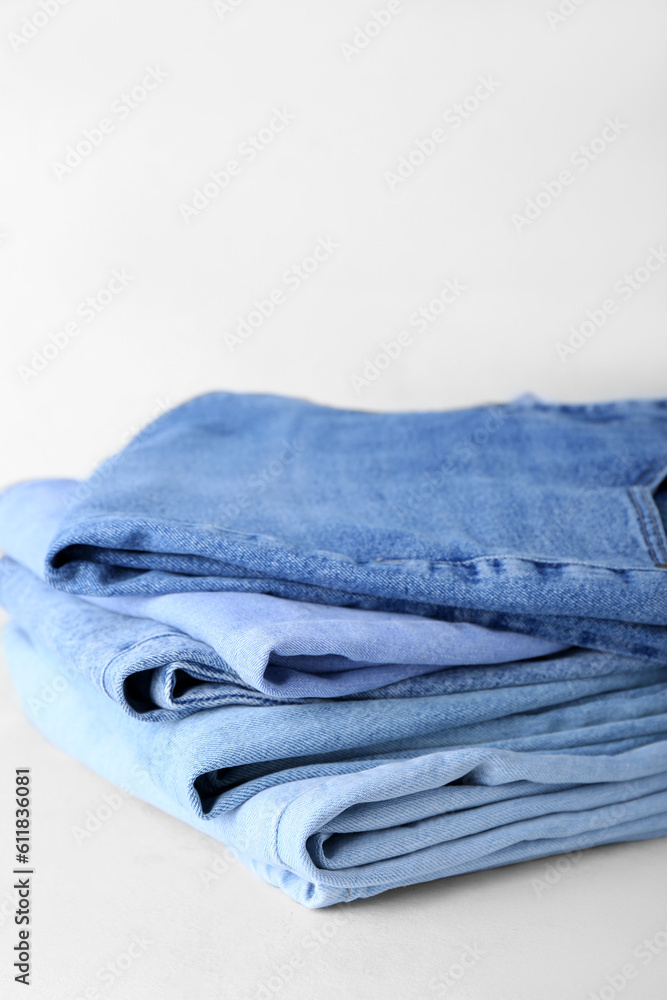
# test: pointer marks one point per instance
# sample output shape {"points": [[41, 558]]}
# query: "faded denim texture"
{"points": [[527, 517], [242, 547], [223, 647], [333, 801]]}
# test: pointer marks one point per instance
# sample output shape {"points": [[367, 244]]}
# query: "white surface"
{"points": [[162, 340]]}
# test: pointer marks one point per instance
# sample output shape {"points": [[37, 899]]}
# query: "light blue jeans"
{"points": [[540, 520], [196, 649], [526, 517], [333, 801]]}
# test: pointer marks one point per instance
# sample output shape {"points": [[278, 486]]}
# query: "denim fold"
{"points": [[352, 798], [364, 650], [527, 517], [189, 650]]}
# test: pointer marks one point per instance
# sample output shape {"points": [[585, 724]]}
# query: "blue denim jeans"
{"points": [[157, 672], [526, 517], [182, 652], [337, 800], [193, 650], [541, 520]]}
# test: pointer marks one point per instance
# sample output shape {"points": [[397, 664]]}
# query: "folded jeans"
{"points": [[525, 517], [349, 799]]}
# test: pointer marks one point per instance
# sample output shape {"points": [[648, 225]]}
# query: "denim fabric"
{"points": [[333, 801], [217, 644], [526, 517], [154, 668], [245, 551], [155, 673]]}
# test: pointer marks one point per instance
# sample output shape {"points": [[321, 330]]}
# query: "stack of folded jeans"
{"points": [[364, 650]]}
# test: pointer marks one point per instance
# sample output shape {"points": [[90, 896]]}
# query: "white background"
{"points": [[162, 340]]}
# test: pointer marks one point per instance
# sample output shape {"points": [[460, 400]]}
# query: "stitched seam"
{"points": [[533, 560], [643, 527], [277, 550], [278, 823], [647, 474], [656, 527], [642, 524], [130, 649], [658, 534], [141, 642]]}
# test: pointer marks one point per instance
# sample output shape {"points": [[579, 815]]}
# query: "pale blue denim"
{"points": [[259, 653], [539, 519], [337, 800], [222, 646], [155, 672], [527, 517]]}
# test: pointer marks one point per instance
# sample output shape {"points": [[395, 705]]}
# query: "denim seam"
{"points": [[278, 549], [275, 842], [656, 528], [646, 508], [279, 858], [642, 525], [279, 820], [135, 645], [647, 474]]}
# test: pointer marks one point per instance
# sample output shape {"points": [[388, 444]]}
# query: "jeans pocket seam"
{"points": [[645, 509], [656, 527]]}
